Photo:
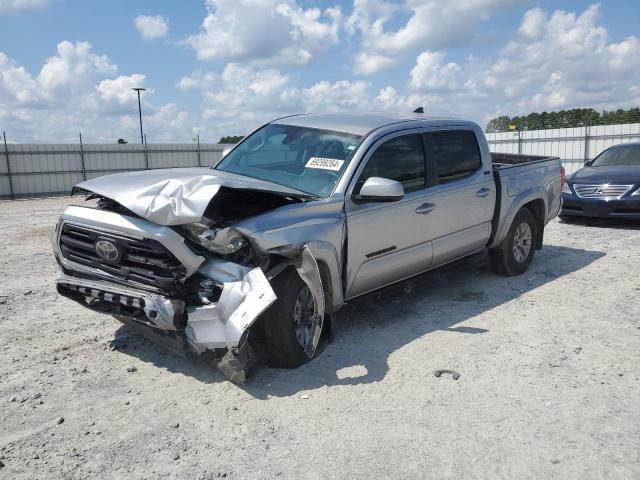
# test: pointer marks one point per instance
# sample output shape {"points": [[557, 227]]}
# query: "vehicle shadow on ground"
{"points": [[369, 329], [617, 223]]}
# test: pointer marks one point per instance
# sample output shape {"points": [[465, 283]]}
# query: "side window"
{"points": [[400, 159], [455, 154]]}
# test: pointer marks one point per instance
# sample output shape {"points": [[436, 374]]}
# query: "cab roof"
{"points": [[363, 123]]}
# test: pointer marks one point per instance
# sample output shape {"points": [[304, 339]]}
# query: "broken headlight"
{"points": [[208, 237]]}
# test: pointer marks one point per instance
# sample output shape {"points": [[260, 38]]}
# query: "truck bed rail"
{"points": [[506, 160]]}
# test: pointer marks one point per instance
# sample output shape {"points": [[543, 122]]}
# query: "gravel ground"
{"points": [[549, 377]]}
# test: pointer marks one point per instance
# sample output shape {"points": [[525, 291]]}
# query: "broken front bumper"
{"points": [[154, 310], [217, 325]]}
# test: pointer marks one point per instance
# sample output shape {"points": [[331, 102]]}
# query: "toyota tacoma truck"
{"points": [[252, 257]]}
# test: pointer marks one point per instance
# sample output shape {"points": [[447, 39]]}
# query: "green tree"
{"points": [[231, 139], [121, 141], [576, 117]]}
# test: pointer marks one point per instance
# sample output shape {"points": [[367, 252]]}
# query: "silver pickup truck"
{"points": [[252, 257]]}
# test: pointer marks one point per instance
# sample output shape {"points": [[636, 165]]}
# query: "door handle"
{"points": [[483, 192], [425, 208]]}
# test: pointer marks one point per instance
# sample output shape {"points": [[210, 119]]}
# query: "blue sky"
{"points": [[221, 67]]}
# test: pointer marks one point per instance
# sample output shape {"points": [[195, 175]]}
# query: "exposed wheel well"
{"points": [[325, 276], [536, 207]]}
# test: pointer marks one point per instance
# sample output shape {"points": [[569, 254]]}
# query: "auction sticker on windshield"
{"points": [[324, 163]]}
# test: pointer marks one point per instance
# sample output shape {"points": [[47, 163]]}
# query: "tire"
{"points": [[514, 255], [276, 325]]}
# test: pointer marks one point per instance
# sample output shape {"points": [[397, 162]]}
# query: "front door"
{"points": [[390, 241]]}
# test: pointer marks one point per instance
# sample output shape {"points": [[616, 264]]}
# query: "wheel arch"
{"points": [[537, 209], [534, 201]]}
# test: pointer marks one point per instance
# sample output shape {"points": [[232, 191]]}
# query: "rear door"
{"points": [[464, 194], [389, 241]]}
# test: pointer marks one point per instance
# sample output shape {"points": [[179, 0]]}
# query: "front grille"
{"points": [[600, 191], [144, 261]]}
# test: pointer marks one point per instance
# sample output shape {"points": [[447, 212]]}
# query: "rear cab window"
{"points": [[455, 154]]}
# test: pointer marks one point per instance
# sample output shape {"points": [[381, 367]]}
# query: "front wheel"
{"points": [[514, 255], [289, 323]]}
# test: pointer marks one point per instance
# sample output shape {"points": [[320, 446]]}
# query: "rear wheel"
{"points": [[289, 322], [514, 255]]}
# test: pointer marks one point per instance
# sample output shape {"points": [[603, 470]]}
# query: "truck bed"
{"points": [[516, 177], [507, 160]]}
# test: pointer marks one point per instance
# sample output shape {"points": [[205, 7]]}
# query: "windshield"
{"points": [[619, 156], [303, 158]]}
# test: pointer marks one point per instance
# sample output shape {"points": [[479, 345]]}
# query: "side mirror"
{"points": [[376, 189], [587, 163]]}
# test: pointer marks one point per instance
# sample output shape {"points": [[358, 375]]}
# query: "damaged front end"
{"points": [[192, 286]]}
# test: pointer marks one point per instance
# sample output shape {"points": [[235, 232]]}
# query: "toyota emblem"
{"points": [[107, 250]]}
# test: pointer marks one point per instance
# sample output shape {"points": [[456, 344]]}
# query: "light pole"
{"points": [[140, 89]]}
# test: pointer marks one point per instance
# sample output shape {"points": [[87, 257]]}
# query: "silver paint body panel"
{"points": [[338, 232]]}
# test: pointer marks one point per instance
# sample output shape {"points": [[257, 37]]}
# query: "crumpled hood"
{"points": [[175, 196]]}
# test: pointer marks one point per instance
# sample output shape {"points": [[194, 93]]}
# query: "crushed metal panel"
{"points": [[175, 196], [258, 295], [310, 273], [222, 324], [222, 270]]}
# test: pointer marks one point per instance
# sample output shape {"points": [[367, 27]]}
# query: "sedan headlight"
{"points": [[206, 236], [637, 192], [567, 189]]}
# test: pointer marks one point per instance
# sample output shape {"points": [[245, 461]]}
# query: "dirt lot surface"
{"points": [[549, 383]]}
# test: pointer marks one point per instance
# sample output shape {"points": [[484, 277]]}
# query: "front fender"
{"points": [[324, 239], [329, 263]]}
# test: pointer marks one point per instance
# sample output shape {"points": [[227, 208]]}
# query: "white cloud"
{"points": [[553, 60], [72, 68], [119, 90], [243, 94], [243, 97], [342, 95], [623, 54], [75, 91], [196, 81], [430, 73], [267, 32], [564, 60], [533, 24], [370, 63], [432, 24], [15, 5], [151, 26]]}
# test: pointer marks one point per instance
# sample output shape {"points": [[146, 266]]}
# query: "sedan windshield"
{"points": [[619, 156], [302, 158]]}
